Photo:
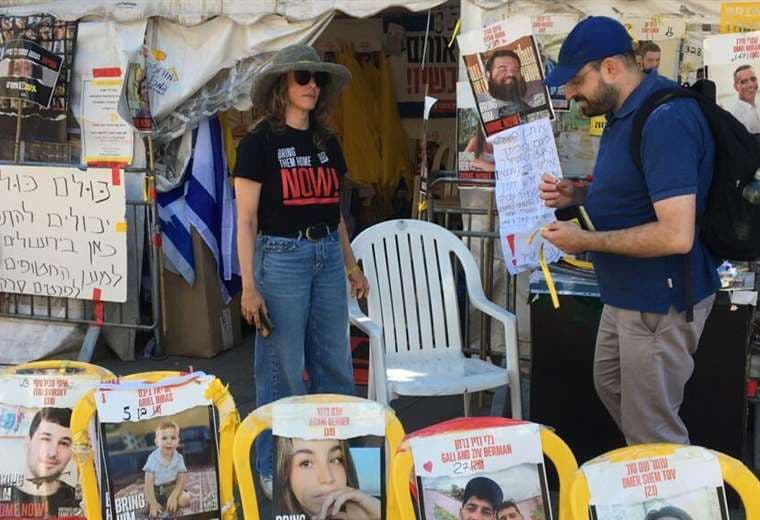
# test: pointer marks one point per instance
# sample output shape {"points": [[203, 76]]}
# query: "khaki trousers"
{"points": [[641, 365]]}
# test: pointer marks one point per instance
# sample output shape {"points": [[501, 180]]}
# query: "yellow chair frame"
{"points": [[62, 366], [735, 474], [261, 419], [552, 446], [85, 411]]}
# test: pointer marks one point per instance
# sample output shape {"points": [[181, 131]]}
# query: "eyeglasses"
{"points": [[303, 77], [578, 78]]}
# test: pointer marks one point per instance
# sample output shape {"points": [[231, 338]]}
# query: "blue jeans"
{"points": [[303, 284]]}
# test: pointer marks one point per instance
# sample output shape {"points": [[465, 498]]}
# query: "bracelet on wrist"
{"points": [[353, 269]]}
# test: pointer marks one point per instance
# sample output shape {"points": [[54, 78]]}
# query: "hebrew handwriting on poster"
{"points": [[688, 479], [523, 155], [501, 468], [328, 421], [63, 232], [472, 452], [134, 401]]}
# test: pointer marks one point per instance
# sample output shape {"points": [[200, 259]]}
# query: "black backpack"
{"points": [[730, 225]]}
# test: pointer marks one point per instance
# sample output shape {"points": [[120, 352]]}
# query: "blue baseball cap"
{"points": [[593, 38]]}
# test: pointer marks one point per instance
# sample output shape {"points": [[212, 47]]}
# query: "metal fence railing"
{"points": [[143, 228]]}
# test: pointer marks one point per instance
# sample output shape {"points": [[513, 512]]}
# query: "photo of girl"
{"points": [[318, 479]]}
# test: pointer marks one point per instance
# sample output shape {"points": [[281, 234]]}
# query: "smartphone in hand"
{"points": [[266, 324]]}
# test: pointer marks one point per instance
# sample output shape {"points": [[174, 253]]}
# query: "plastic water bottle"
{"points": [[751, 191]]}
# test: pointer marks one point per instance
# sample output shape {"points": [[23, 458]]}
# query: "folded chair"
{"points": [[413, 320]]}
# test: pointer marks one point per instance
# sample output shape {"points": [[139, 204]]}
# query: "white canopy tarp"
{"points": [[191, 12]]}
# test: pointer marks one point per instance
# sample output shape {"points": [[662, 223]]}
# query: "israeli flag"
{"points": [[205, 202]]}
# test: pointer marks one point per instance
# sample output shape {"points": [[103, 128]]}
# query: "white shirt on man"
{"points": [[748, 115]]}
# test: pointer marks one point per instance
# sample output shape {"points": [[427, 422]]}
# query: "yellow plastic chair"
{"points": [[62, 367], [735, 474], [84, 413], [261, 419], [553, 447]]}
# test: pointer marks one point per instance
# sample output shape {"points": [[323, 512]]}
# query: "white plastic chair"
{"points": [[413, 324]]}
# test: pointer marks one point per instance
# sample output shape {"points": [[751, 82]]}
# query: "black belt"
{"points": [[314, 232]]}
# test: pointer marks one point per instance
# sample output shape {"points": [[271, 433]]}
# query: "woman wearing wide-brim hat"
{"points": [[292, 242]]}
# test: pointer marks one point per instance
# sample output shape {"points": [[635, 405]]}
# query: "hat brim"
{"points": [[265, 80], [561, 75]]}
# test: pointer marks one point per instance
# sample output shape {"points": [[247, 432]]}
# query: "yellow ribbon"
{"points": [[548, 278], [455, 32]]}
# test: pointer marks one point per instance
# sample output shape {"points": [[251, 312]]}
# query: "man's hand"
{"points": [[568, 237], [557, 193]]}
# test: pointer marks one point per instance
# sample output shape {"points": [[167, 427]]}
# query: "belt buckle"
{"points": [[315, 226]]}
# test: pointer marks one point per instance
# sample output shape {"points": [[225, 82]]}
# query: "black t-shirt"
{"points": [[63, 503], [300, 182]]}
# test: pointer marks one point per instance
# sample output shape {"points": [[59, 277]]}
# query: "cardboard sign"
{"points": [[63, 232]]}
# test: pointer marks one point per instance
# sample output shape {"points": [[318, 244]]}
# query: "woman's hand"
{"points": [[358, 506], [251, 304], [359, 283]]}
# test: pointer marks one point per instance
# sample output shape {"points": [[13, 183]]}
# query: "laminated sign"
{"points": [[160, 449], [329, 460], [39, 477], [488, 471], [686, 483]]}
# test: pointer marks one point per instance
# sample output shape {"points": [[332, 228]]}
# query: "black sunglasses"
{"points": [[303, 77]]}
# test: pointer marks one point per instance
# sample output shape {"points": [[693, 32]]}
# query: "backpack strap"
{"points": [[656, 99]]}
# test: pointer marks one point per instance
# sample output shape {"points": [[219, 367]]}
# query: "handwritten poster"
{"points": [[689, 480], [35, 412], [523, 155], [63, 232], [106, 137], [495, 469]]}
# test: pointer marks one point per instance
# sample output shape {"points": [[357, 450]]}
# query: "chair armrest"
{"points": [[509, 321], [376, 350]]}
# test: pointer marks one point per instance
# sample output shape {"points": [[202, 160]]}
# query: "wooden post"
{"points": [[17, 144]]}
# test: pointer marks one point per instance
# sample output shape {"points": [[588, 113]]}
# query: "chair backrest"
{"points": [[210, 390], [413, 294], [468, 429], [36, 400], [62, 367], [265, 418], [651, 477]]}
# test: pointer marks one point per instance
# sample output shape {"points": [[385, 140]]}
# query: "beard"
{"points": [[601, 101], [510, 92]]}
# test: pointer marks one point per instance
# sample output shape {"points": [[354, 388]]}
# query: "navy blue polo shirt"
{"points": [[678, 157]]}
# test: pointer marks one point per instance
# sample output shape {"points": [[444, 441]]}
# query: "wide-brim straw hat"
{"points": [[297, 57]]}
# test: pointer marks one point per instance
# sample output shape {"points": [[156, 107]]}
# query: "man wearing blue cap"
{"points": [[645, 224]]}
